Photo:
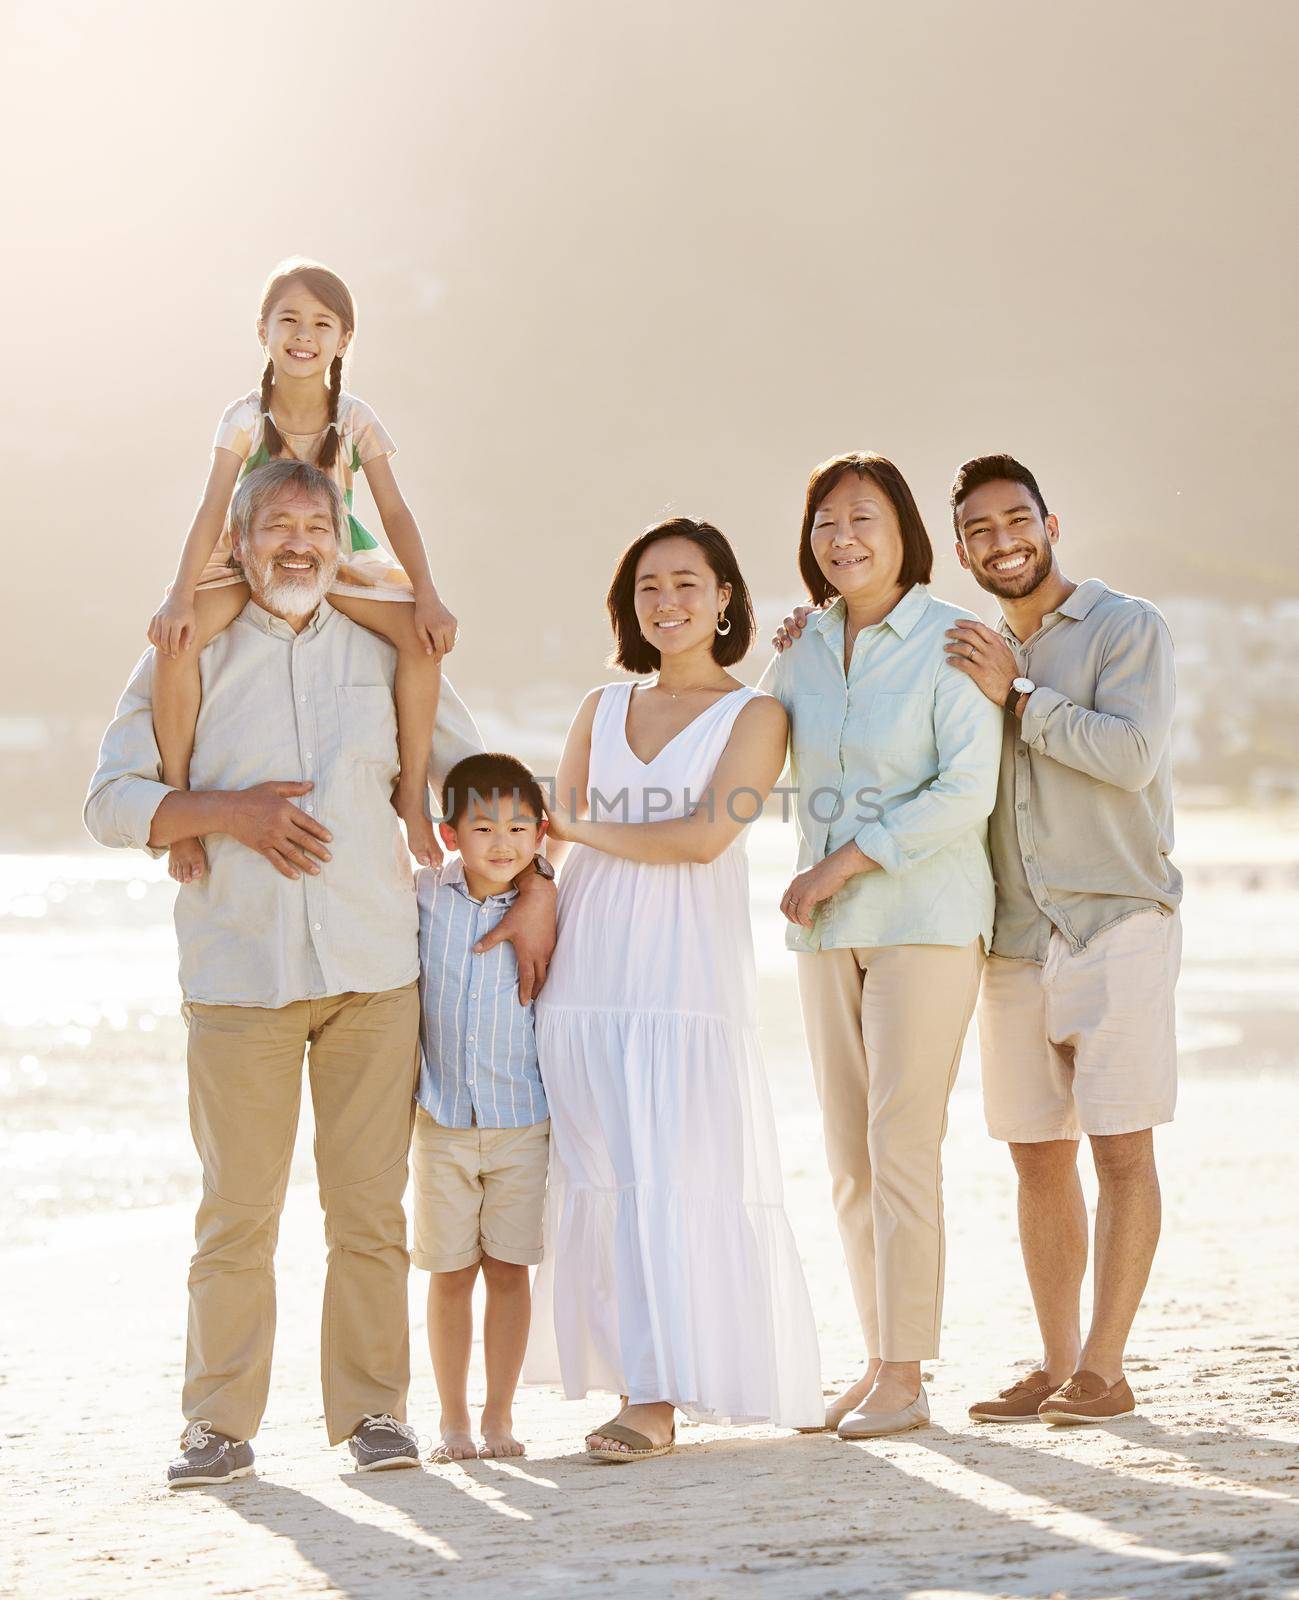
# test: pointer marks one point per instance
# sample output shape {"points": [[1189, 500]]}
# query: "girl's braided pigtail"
{"points": [[270, 433], [328, 453]]}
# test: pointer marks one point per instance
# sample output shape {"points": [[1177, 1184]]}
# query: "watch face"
{"points": [[1024, 685]]}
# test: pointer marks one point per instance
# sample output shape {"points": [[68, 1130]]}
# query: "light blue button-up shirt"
{"points": [[478, 1051], [900, 753]]}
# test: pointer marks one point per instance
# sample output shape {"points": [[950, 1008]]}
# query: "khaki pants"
{"points": [[245, 1087], [885, 1029]]}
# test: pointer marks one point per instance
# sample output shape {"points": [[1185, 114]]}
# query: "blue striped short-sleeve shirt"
{"points": [[478, 1051]]}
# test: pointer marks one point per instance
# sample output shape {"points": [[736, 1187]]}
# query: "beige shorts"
{"points": [[1084, 1043], [478, 1192]]}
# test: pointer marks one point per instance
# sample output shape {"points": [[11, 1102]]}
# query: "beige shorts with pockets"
{"points": [[478, 1192], [1085, 1043]]}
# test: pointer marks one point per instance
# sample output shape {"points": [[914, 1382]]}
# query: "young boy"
{"points": [[482, 1131]]}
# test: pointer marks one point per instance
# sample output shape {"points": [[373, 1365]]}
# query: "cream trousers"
{"points": [[885, 1029]]}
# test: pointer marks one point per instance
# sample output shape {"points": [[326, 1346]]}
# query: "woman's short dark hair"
{"points": [[632, 650], [917, 552]]}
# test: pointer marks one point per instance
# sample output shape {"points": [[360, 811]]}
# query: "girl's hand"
{"points": [[435, 626], [172, 627]]}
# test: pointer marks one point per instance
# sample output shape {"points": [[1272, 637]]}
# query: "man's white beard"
{"points": [[290, 594]]}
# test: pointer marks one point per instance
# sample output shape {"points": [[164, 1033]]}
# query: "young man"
{"points": [[482, 1130], [300, 940], [1076, 1015]]}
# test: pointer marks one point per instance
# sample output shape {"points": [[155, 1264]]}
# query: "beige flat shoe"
{"points": [[877, 1424], [639, 1448]]}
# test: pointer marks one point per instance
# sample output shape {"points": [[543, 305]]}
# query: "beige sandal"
{"points": [[639, 1448]]}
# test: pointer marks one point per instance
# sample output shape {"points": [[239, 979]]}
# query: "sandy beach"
{"points": [[1196, 1496]]}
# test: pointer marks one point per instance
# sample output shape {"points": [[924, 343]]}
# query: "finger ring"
{"points": [[970, 652]]}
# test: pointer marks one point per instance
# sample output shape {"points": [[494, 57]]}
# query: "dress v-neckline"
{"points": [[631, 690]]}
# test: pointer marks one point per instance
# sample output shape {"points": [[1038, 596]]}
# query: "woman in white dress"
{"points": [[675, 1279]]}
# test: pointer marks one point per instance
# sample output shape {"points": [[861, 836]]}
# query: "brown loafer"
{"points": [[1088, 1398], [1019, 1403]]}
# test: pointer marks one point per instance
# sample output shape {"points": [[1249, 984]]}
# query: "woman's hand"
{"points": [[823, 881], [435, 627], [561, 823], [172, 627], [808, 890]]}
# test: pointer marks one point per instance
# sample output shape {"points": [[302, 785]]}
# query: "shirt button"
{"points": [[307, 807], [1021, 806], [315, 927], [473, 994], [303, 699], [469, 1036]]}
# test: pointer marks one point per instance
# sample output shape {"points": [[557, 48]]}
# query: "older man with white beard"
{"points": [[301, 938]]}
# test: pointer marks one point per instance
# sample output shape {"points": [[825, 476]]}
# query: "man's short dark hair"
{"points": [[632, 650], [486, 778], [992, 469]]}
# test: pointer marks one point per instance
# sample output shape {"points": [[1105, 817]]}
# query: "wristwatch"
{"points": [[1018, 687], [544, 868]]}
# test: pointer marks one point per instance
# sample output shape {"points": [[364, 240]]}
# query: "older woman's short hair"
{"points": [[917, 552], [263, 484]]}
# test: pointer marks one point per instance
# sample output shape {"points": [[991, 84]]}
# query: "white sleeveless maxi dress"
{"points": [[671, 1270]]}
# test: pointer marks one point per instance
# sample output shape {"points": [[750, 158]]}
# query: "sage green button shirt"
{"points": [[1083, 829], [900, 754]]}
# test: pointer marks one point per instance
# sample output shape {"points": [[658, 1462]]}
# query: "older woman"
{"points": [[895, 763], [676, 1280]]}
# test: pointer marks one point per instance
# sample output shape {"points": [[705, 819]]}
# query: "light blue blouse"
{"points": [[902, 755]]}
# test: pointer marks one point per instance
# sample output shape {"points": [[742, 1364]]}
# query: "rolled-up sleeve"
{"points": [[1122, 739], [967, 732], [126, 789]]}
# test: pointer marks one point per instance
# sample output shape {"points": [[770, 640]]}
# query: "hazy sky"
{"points": [[613, 260]]}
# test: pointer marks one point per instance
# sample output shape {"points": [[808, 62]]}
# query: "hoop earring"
{"points": [[720, 629]]}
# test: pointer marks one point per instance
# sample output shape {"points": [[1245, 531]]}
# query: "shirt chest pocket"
{"points": [[367, 727], [899, 724], [815, 724]]}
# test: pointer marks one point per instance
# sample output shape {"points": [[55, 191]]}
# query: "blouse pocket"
{"points": [[367, 725], [899, 723], [807, 725]]}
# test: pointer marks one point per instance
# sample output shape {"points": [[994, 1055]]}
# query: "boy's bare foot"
{"points": [[499, 1440], [409, 806], [187, 861], [457, 1444]]}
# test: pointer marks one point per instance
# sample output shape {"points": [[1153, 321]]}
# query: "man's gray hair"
{"points": [[263, 484]]}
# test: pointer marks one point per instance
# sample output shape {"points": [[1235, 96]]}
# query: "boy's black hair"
{"points": [[484, 777]]}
